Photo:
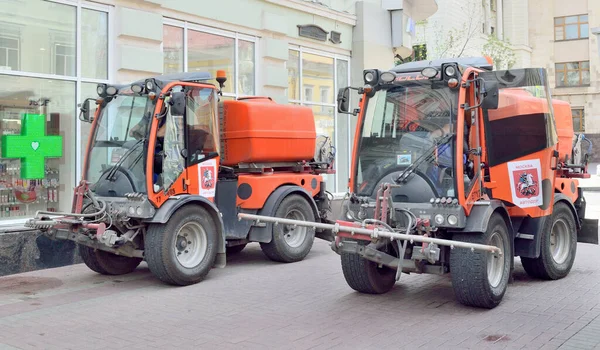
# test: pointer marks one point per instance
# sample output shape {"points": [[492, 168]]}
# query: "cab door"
{"points": [[520, 139], [202, 140]]}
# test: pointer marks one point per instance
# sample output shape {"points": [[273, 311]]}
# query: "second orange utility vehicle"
{"points": [[458, 168], [169, 167]]}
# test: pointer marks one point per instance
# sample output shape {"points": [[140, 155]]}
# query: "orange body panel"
{"points": [[568, 187], [261, 131], [564, 127], [515, 102], [263, 185]]}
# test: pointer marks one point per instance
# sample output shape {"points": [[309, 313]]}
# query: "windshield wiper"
{"points": [[112, 172], [424, 157]]}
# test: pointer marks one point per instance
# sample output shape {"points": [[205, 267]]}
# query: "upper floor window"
{"points": [[571, 27], [572, 74], [9, 52], [578, 119]]}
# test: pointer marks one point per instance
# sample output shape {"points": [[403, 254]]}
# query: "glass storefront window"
{"points": [[94, 41], [293, 68], [246, 68], [52, 191], [38, 37], [173, 49], [319, 79], [209, 52]]}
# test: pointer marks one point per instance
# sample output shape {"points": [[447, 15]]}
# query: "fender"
{"points": [[263, 234], [164, 213], [559, 197], [480, 215]]}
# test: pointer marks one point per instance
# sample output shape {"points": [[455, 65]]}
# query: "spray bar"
{"points": [[374, 233]]}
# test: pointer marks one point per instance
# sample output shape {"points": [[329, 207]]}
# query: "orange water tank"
{"points": [[259, 130]]}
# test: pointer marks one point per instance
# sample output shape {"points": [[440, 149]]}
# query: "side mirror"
{"points": [[343, 100], [177, 103], [490, 95], [85, 112]]}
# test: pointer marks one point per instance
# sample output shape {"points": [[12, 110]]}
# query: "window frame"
{"points": [[302, 101], [237, 36], [581, 118], [564, 24], [78, 79], [18, 40], [565, 73]]}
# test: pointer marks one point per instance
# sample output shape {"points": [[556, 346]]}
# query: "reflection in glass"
{"points": [[317, 73], [40, 36], [209, 53], [293, 75], [246, 67], [94, 44], [55, 99], [172, 49]]}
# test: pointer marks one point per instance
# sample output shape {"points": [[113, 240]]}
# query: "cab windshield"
{"points": [[404, 125], [120, 137]]}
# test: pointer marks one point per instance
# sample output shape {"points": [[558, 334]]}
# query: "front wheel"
{"points": [[289, 243], [182, 251], [366, 276], [106, 263], [558, 246], [480, 278]]}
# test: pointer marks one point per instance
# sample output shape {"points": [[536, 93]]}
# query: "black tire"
{"points": [[162, 241], [546, 266], [295, 207], [469, 269], [365, 276], [106, 263], [235, 249]]}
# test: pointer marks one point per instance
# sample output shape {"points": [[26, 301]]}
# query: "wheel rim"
{"points": [[191, 244], [559, 241], [495, 265], [294, 236]]}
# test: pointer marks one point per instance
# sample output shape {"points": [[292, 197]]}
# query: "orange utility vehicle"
{"points": [[168, 167], [457, 169]]}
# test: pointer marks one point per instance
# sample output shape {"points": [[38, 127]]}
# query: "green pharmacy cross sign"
{"points": [[33, 146]]}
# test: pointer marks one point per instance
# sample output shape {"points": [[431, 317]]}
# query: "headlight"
{"points": [[111, 90], [439, 219], [371, 77], [429, 72], [139, 211], [450, 71], [137, 88], [100, 89], [388, 77], [452, 220], [149, 85], [131, 210]]}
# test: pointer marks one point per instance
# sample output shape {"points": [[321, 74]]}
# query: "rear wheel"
{"points": [[106, 263], [182, 251], [558, 246], [480, 278], [365, 276], [289, 243]]}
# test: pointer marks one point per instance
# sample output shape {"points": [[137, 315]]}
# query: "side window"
{"points": [[169, 163], [201, 124], [524, 115]]}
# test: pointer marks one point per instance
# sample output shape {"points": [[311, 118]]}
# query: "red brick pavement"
{"points": [[257, 304]]}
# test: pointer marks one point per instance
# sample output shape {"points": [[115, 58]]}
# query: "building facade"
{"points": [[562, 40], [53, 53]]}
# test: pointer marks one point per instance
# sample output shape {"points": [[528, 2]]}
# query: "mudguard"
{"points": [[263, 233], [169, 207], [480, 215]]}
